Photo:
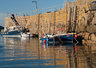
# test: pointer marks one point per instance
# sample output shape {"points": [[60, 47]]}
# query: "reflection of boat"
{"points": [[12, 41], [57, 44]]}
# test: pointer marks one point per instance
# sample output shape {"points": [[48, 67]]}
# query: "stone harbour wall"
{"points": [[46, 22], [58, 21]]}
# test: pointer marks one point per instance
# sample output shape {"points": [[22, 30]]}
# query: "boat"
{"points": [[65, 38], [26, 35], [13, 31]]}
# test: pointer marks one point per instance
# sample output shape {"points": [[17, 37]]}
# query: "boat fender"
{"points": [[44, 41], [76, 36]]}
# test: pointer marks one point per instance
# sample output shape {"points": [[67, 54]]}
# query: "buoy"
{"points": [[44, 41], [76, 36]]}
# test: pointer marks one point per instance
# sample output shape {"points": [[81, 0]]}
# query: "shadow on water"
{"points": [[25, 53]]}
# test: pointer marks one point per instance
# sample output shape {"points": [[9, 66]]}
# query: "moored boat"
{"points": [[59, 38], [26, 35], [14, 31]]}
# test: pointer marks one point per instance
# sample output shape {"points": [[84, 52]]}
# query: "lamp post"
{"points": [[37, 15], [38, 19], [36, 6]]}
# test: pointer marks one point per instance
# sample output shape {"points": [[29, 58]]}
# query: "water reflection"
{"points": [[28, 53]]}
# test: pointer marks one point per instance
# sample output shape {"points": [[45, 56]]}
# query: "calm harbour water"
{"points": [[28, 53]]}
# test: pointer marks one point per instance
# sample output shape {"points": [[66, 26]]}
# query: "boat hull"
{"points": [[61, 39], [11, 34], [26, 35]]}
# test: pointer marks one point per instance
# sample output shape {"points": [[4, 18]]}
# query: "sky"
{"points": [[21, 7]]}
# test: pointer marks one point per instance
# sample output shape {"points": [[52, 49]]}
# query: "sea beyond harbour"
{"points": [[29, 53]]}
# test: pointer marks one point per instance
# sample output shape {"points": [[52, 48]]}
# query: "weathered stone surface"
{"points": [[86, 36], [93, 37], [46, 22]]}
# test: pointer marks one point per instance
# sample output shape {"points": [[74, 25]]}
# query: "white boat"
{"points": [[26, 35]]}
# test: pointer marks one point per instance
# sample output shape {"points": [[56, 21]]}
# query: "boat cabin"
{"points": [[13, 28]]}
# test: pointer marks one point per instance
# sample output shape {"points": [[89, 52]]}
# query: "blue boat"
{"points": [[14, 31], [59, 38], [11, 34]]}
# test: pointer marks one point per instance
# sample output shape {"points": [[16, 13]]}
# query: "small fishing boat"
{"points": [[14, 31], [59, 38]]}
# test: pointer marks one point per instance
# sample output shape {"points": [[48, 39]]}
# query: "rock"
{"points": [[93, 37], [86, 36], [89, 18]]}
